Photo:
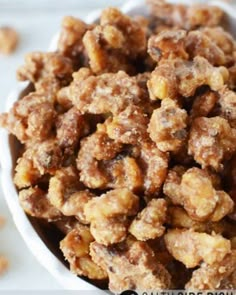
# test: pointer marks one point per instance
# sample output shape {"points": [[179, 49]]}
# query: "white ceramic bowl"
{"points": [[8, 154]]}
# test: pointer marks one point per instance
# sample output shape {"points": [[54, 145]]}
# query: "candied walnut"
{"points": [[30, 118], [125, 172], [108, 215], [203, 104], [227, 103], [66, 224], [194, 190], [25, 172], [149, 222], [129, 126], [168, 44], [8, 40], [187, 17], [167, 126], [107, 93], [131, 265], [154, 164], [191, 248], [210, 277], [223, 39], [71, 126], [172, 183], [35, 202], [112, 44], [90, 165], [232, 77], [179, 77], [75, 247], [39, 65], [211, 141], [46, 156], [70, 40], [48, 87], [67, 194], [3, 264], [199, 44]]}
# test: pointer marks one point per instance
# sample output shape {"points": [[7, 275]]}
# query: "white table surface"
{"points": [[36, 26]]}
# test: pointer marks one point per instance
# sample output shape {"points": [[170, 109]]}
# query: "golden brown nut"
{"points": [[71, 126], [130, 265], [8, 40], [107, 93], [67, 194], [194, 190], [179, 77], [35, 202], [199, 44], [75, 247], [129, 126], [227, 103], [39, 65], [107, 215], [111, 44], [3, 264], [211, 141], [167, 127], [191, 248], [210, 277], [186, 16], [168, 44], [31, 118], [90, 165], [154, 164], [203, 104], [70, 39], [149, 222], [25, 172]]}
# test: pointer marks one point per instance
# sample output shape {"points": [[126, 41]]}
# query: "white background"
{"points": [[36, 22]]}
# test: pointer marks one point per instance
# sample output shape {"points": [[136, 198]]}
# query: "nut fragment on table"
{"points": [[8, 40]]}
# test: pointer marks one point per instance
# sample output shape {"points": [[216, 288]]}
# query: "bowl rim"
{"points": [[32, 240]]}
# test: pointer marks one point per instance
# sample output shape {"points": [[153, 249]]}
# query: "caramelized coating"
{"points": [[210, 277], [25, 172], [107, 215], [35, 202], [154, 164], [129, 126], [3, 265], [31, 118], [199, 44], [167, 127], [221, 38], [71, 126], [107, 93], [195, 192], [67, 194], [130, 265], [71, 35], [203, 104], [110, 44], [191, 248], [90, 165], [39, 65], [75, 247], [211, 141], [168, 44], [179, 77], [184, 16], [227, 103], [8, 40], [149, 222]]}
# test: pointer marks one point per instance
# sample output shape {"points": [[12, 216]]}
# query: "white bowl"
{"points": [[8, 155]]}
